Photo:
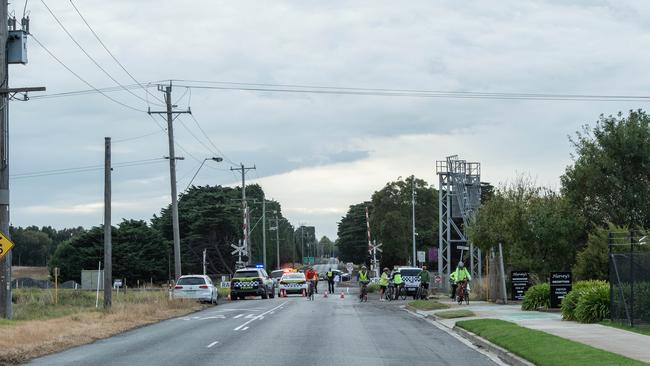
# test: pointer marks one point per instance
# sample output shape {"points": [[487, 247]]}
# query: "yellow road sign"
{"points": [[5, 245]]}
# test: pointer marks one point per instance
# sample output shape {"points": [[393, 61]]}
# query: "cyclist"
{"points": [[425, 279], [461, 274], [363, 280], [397, 282], [383, 284]]}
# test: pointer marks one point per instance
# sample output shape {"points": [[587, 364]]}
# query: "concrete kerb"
{"points": [[505, 355]]}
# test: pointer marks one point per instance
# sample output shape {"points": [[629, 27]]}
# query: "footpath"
{"points": [[622, 342]]}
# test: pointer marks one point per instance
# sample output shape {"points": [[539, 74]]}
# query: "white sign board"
{"points": [[421, 257], [349, 267]]}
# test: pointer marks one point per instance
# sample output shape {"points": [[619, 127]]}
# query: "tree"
{"points": [[327, 245], [352, 237], [592, 262], [31, 246], [391, 219], [139, 253], [539, 229], [610, 178]]}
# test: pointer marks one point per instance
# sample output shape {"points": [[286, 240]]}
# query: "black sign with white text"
{"points": [[560, 287], [519, 281]]}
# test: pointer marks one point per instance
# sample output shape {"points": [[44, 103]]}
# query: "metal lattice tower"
{"points": [[459, 197]]}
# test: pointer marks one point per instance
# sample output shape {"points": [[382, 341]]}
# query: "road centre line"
{"points": [[212, 344], [259, 316]]}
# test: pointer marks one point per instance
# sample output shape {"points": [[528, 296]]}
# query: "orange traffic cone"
{"points": [[342, 295]]}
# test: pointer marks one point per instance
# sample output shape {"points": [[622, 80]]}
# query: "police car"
{"points": [[293, 283], [251, 282], [411, 278]]}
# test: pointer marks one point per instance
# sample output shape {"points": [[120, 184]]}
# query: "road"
{"points": [[281, 331]]}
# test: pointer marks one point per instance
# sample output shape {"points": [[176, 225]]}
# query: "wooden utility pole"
{"points": [[171, 115], [6, 310], [108, 249]]}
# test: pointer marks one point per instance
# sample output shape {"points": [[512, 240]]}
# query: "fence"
{"points": [[629, 279]]}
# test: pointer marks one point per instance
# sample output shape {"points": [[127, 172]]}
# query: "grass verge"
{"points": [[645, 330], [428, 305], [541, 348], [450, 314], [41, 327]]}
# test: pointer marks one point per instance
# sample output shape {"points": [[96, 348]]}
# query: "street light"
{"points": [[218, 159]]}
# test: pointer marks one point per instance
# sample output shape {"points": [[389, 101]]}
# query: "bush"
{"points": [[570, 301], [538, 296], [593, 304], [373, 287], [592, 262]]}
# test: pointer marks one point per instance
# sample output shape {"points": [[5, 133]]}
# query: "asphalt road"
{"points": [[281, 331]]}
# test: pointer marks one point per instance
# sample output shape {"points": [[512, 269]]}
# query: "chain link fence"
{"points": [[629, 278]]}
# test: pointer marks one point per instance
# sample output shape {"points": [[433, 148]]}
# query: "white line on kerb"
{"points": [[212, 344], [259, 316]]}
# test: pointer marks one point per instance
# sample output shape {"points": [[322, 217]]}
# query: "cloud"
{"points": [[316, 154]]}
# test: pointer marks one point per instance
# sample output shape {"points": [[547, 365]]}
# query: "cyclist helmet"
{"points": [[364, 267], [461, 264], [385, 269]]}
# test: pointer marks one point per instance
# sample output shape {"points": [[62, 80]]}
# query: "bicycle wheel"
{"points": [[390, 294], [402, 293], [466, 298]]}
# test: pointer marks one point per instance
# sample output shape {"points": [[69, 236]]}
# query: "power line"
{"points": [[138, 137], [83, 169], [88, 55], [111, 53], [81, 78], [210, 140]]}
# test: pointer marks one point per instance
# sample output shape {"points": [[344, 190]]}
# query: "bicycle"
{"points": [[310, 292], [462, 293], [402, 292], [389, 294], [364, 292], [422, 293]]}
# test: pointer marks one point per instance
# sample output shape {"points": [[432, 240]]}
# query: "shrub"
{"points": [[571, 299], [593, 304], [537, 296], [373, 287]]}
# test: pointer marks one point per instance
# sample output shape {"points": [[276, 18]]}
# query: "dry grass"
{"points": [[26, 339], [37, 273]]}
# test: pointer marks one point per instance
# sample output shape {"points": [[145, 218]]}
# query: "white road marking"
{"points": [[259, 316], [238, 316], [244, 328], [214, 317], [212, 344], [250, 316]]}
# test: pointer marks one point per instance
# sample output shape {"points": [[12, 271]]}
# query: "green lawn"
{"points": [[637, 329], [449, 314], [428, 305], [541, 348]]}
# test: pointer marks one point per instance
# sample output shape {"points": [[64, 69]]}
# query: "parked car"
{"points": [[276, 275], [251, 282], [198, 287], [411, 278]]}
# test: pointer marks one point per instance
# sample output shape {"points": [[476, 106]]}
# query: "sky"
{"points": [[314, 153]]}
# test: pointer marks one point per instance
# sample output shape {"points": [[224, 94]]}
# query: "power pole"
{"points": [[245, 226], [302, 242], [204, 255], [413, 215], [277, 241], [108, 250], [264, 231], [171, 116], [6, 307]]}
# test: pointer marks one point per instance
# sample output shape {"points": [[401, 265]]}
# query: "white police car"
{"points": [[411, 278], [293, 283]]}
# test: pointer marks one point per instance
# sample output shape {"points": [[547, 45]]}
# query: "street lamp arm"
{"points": [[217, 159]]}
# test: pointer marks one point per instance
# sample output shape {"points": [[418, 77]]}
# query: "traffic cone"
{"points": [[342, 295]]}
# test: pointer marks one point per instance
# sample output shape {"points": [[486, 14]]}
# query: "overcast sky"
{"points": [[315, 153]]}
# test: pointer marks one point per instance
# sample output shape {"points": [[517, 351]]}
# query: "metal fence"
{"points": [[629, 278]]}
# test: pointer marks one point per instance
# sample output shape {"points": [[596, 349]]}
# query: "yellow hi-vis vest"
{"points": [[363, 276]]}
